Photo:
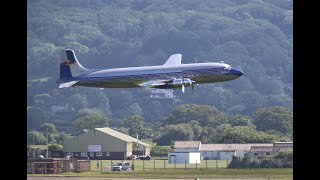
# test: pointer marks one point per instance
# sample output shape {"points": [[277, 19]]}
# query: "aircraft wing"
{"points": [[67, 84], [156, 83], [174, 83]]}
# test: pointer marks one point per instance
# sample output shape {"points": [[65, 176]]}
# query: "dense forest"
{"points": [[252, 35]]}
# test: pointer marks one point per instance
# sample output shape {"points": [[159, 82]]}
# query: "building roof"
{"points": [[187, 144], [261, 148], [120, 135], [283, 149], [223, 147], [283, 144]]}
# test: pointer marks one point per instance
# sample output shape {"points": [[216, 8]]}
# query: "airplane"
{"points": [[171, 75]]}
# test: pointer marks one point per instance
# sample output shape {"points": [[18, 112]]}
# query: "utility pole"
{"points": [[47, 145], [34, 151]]}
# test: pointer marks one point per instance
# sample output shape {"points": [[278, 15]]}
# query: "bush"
{"points": [[288, 164], [54, 147]]}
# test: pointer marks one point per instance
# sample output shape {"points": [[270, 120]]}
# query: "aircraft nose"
{"points": [[236, 72]]}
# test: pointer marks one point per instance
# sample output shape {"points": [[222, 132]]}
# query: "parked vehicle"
{"points": [[144, 157], [123, 166]]}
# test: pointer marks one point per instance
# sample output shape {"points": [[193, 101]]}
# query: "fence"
{"points": [[72, 165], [156, 164], [60, 166]]}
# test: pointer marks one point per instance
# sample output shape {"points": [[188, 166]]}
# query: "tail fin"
{"points": [[69, 65]]}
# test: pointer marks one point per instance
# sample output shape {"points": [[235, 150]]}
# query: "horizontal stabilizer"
{"points": [[174, 59], [67, 84]]}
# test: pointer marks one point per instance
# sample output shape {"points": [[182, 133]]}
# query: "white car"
{"points": [[121, 166]]}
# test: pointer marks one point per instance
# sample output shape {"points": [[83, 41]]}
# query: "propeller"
{"points": [[186, 80]]}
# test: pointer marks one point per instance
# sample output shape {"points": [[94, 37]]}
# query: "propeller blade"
{"points": [[183, 88], [192, 87]]}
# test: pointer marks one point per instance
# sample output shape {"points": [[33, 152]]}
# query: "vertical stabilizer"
{"points": [[69, 65]]}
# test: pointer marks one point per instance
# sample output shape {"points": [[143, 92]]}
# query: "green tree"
{"points": [[78, 101], [205, 115], [35, 137], [90, 121], [208, 135], [240, 120], [135, 125], [55, 147], [180, 132], [48, 128], [124, 130], [62, 137], [245, 134], [274, 118], [135, 109]]}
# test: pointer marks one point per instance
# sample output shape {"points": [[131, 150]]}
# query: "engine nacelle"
{"points": [[177, 83]]}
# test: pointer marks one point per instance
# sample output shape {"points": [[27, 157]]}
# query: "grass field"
{"points": [[279, 173], [154, 164]]}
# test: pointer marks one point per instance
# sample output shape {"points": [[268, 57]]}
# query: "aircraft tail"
{"points": [[69, 65]]}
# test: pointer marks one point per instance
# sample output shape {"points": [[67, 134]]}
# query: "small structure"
{"points": [[283, 144], [185, 152], [184, 157], [261, 151], [227, 151], [187, 146], [56, 165], [274, 150], [104, 144]]}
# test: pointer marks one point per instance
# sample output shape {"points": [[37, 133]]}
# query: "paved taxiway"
{"points": [[99, 178]]}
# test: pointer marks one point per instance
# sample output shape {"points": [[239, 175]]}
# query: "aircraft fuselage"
{"points": [[132, 76]]}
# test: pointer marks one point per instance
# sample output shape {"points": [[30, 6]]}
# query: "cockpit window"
{"points": [[227, 68]]}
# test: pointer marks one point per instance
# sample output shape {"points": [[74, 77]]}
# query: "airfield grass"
{"points": [[155, 164], [263, 173]]}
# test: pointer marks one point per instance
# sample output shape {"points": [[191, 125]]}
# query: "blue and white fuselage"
{"points": [[171, 75]]}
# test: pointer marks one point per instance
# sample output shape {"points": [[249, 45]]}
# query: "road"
{"points": [[99, 178]]}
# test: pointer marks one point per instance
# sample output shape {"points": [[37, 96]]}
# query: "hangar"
{"points": [[106, 144]]}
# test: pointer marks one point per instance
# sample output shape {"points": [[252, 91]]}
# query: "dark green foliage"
{"points": [[35, 137], [61, 137], [48, 128], [248, 162], [169, 133], [255, 36], [90, 121], [239, 120], [276, 118], [134, 124], [245, 134], [285, 155], [161, 151], [54, 147], [203, 114]]}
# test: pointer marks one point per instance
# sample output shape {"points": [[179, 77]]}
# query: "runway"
{"points": [[99, 178]]}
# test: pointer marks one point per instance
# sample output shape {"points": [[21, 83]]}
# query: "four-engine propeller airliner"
{"points": [[171, 75]]}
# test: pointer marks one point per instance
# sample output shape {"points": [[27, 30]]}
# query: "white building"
{"points": [[184, 157], [274, 150], [226, 151], [185, 152], [187, 146]]}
